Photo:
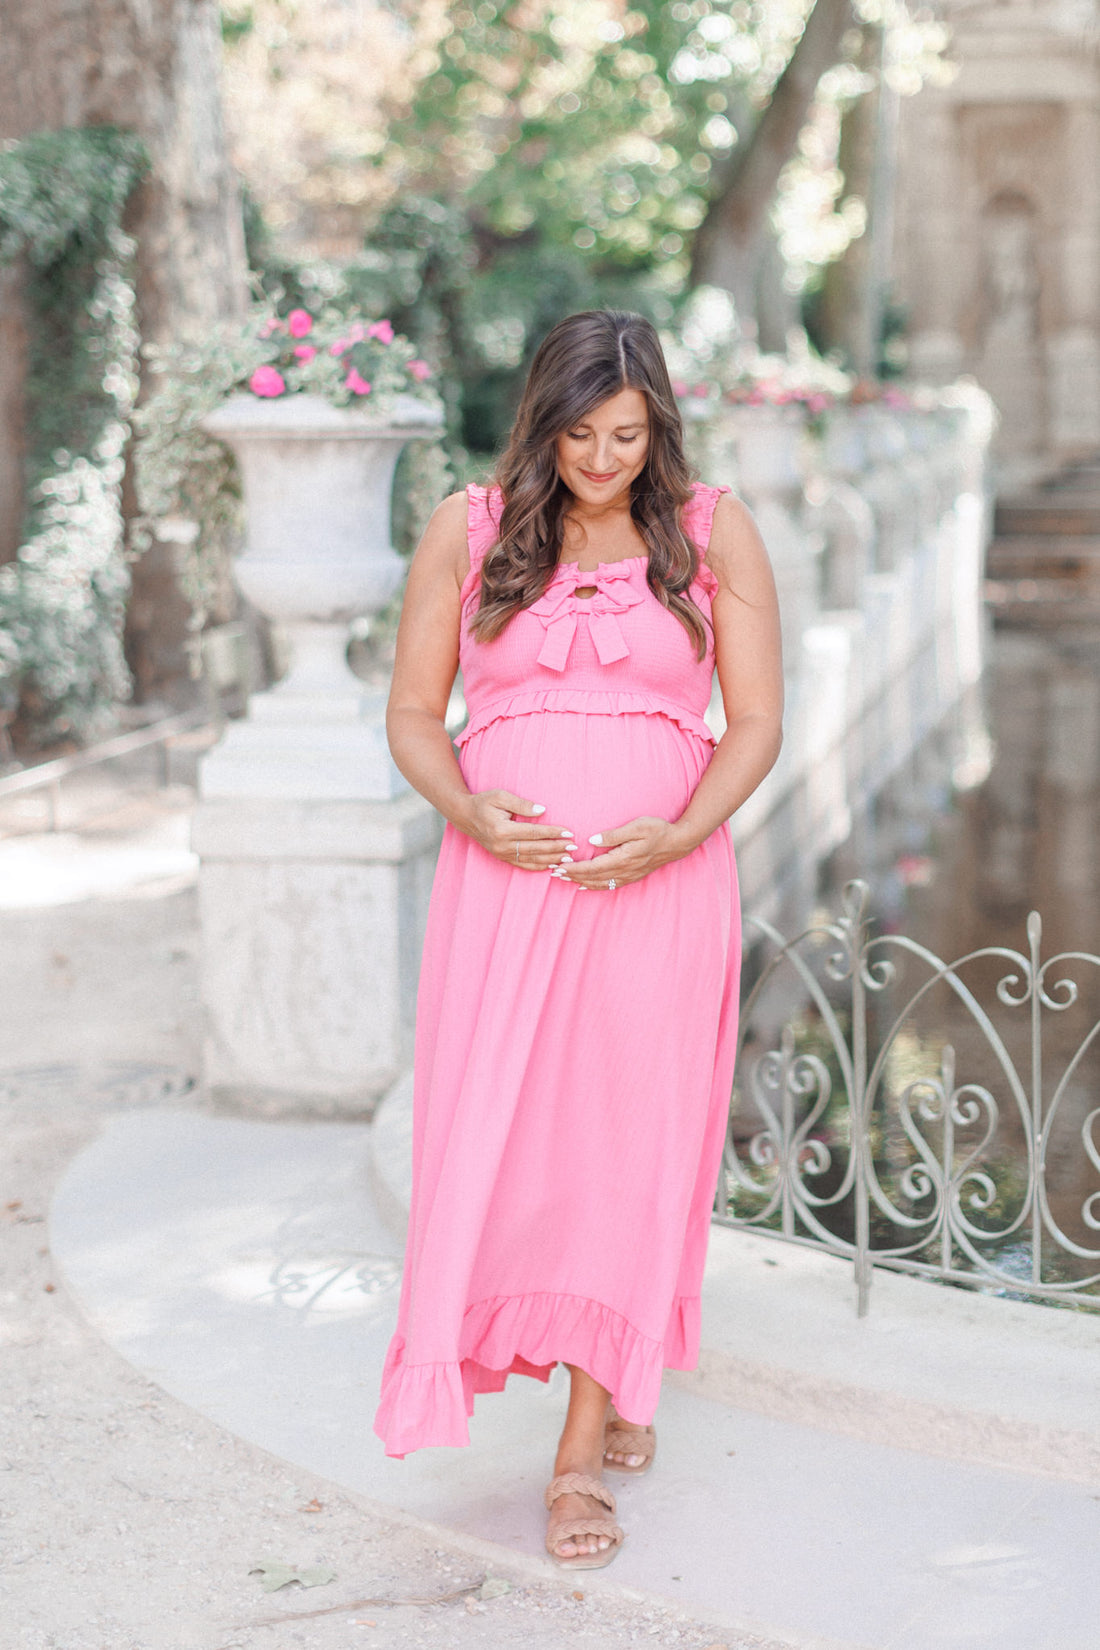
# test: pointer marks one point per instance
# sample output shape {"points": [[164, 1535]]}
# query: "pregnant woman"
{"points": [[574, 1056]]}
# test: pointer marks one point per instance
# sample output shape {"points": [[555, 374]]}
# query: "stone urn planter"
{"points": [[317, 481], [316, 858], [768, 446]]}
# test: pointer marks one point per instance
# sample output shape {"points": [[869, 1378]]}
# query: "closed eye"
{"points": [[579, 435]]}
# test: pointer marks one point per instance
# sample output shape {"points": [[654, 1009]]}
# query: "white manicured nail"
{"points": [[538, 808], [597, 840], [569, 834]]}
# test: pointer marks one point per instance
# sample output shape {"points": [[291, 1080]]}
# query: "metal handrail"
{"points": [[48, 775]]}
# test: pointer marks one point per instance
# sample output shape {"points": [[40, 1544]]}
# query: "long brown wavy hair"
{"points": [[582, 362]]}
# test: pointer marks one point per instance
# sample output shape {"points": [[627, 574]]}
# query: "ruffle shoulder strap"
{"points": [[482, 520], [698, 512], [697, 519]]}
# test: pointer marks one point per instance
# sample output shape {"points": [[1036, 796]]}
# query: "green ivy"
{"points": [[63, 599]]}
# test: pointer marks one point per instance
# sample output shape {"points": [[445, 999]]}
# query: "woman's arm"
{"points": [[424, 670], [748, 658]]}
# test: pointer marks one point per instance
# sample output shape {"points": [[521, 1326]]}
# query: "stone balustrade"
{"points": [[876, 524]]}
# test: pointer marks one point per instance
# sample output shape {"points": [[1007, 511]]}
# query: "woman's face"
{"points": [[599, 456]]}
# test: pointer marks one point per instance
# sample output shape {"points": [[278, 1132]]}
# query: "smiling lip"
{"points": [[590, 477]]}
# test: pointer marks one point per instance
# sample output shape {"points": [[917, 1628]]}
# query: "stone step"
{"points": [[1043, 603], [1019, 554], [1038, 516]]}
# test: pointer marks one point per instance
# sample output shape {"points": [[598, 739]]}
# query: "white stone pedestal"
{"points": [[312, 917]]}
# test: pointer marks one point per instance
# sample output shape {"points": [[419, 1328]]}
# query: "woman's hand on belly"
{"points": [[629, 853], [488, 818]]}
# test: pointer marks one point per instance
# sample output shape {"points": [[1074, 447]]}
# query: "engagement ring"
{"points": [[612, 885]]}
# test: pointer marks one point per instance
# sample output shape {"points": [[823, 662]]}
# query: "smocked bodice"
{"points": [[616, 651]]}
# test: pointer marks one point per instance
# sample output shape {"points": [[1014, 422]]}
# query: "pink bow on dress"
{"points": [[560, 607]]}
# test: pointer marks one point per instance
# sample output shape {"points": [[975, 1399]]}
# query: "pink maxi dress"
{"points": [[574, 1048]]}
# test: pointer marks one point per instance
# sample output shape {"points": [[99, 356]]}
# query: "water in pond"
{"points": [[957, 853]]}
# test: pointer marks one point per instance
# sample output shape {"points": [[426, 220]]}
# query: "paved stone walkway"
{"points": [[241, 1265]]}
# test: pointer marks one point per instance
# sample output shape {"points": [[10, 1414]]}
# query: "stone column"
{"points": [[316, 857], [1073, 351], [935, 215]]}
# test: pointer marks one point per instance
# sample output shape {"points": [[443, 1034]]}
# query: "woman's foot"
{"points": [[627, 1447], [574, 1506], [581, 1452]]}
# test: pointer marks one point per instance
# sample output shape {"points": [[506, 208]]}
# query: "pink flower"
{"points": [[420, 370], [270, 326], [299, 322], [304, 352], [357, 385], [700, 391], [340, 346], [357, 332], [266, 381], [679, 388], [382, 330]]}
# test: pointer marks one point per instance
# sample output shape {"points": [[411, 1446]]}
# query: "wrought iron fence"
{"points": [[895, 1108]]}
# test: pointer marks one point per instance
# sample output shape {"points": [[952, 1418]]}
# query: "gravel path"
{"points": [[130, 1522]]}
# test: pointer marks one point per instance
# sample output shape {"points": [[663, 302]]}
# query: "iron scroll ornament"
{"points": [[937, 1175]]}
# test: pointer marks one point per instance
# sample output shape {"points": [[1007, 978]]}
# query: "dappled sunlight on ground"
{"points": [[142, 854]]}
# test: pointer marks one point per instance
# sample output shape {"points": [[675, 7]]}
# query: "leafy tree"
{"points": [[562, 152], [578, 124], [542, 155]]}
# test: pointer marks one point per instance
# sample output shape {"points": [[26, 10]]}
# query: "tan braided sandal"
{"points": [[566, 1529], [628, 1439]]}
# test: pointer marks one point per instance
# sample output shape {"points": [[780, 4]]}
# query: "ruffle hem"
{"points": [[429, 1405]]}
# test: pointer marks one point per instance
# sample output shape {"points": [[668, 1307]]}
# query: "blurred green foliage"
{"points": [[62, 600], [580, 125], [558, 166]]}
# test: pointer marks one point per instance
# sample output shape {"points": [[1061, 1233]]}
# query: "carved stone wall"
{"points": [[997, 255]]}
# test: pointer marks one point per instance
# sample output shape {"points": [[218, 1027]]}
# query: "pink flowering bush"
{"points": [[183, 472], [812, 400], [266, 381], [340, 355]]}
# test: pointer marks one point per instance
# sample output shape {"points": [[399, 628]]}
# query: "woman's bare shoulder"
{"points": [[443, 551], [451, 513]]}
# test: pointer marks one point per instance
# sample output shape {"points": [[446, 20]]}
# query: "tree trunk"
{"points": [[842, 311], [153, 69], [13, 367], [727, 243]]}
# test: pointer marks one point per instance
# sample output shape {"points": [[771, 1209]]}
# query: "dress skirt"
{"points": [[574, 1060]]}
